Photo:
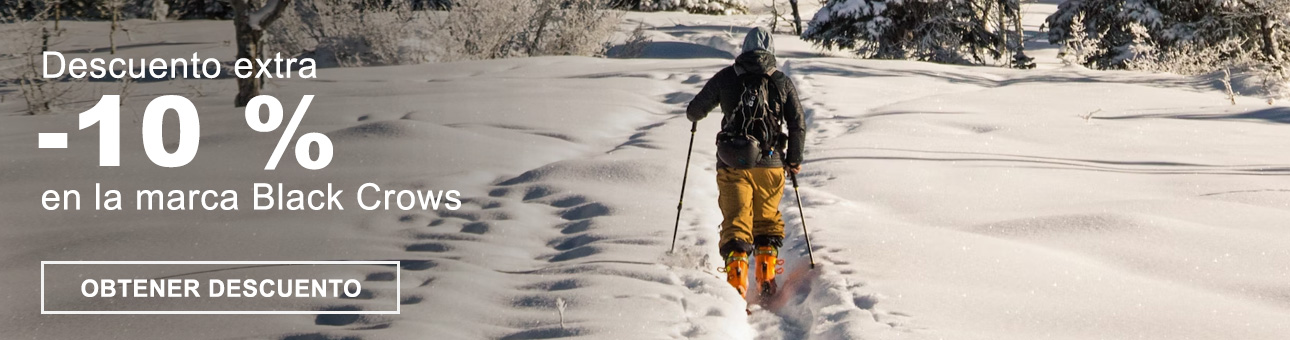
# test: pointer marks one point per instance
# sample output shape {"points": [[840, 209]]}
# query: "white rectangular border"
{"points": [[398, 288]]}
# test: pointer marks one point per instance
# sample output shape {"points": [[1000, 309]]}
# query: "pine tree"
{"points": [[1118, 32], [944, 31]]}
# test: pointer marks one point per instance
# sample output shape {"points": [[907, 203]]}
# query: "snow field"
{"points": [[944, 202]]}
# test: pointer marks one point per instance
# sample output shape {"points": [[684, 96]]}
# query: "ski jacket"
{"points": [[725, 88]]}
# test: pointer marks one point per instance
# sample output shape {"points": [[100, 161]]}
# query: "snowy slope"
{"points": [[944, 202]]}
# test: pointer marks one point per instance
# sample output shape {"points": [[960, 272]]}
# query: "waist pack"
{"points": [[740, 151]]}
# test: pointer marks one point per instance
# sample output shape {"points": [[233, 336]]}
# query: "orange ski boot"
{"points": [[767, 259], [737, 271]]}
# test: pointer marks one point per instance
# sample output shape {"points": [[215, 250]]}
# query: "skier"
{"points": [[753, 153]]}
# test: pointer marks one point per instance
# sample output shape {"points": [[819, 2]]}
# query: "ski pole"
{"points": [[805, 234], [677, 227]]}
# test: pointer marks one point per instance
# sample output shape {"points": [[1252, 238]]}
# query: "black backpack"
{"points": [[754, 129]]}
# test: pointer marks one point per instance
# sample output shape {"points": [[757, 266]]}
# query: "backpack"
{"points": [[754, 129]]}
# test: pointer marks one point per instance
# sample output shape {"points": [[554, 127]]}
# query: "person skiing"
{"points": [[753, 152]]}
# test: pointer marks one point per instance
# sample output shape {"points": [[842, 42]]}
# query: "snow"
{"points": [[944, 202]]}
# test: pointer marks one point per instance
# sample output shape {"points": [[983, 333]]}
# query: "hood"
{"points": [[758, 53], [758, 39]]}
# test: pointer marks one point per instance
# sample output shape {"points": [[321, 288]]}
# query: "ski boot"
{"points": [[737, 271], [767, 259]]}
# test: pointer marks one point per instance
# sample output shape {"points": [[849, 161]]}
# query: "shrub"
{"points": [[490, 29], [20, 60], [350, 32], [634, 47]]}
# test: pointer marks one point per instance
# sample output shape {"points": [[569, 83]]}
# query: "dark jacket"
{"points": [[724, 89]]}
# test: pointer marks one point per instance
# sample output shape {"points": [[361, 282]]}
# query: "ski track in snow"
{"points": [[480, 250], [826, 302], [484, 249]]}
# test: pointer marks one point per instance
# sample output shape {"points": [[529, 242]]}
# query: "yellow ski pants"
{"points": [[749, 201]]}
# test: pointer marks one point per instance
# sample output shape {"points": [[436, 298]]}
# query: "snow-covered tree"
{"points": [[1117, 32], [1180, 36], [945, 31]]}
